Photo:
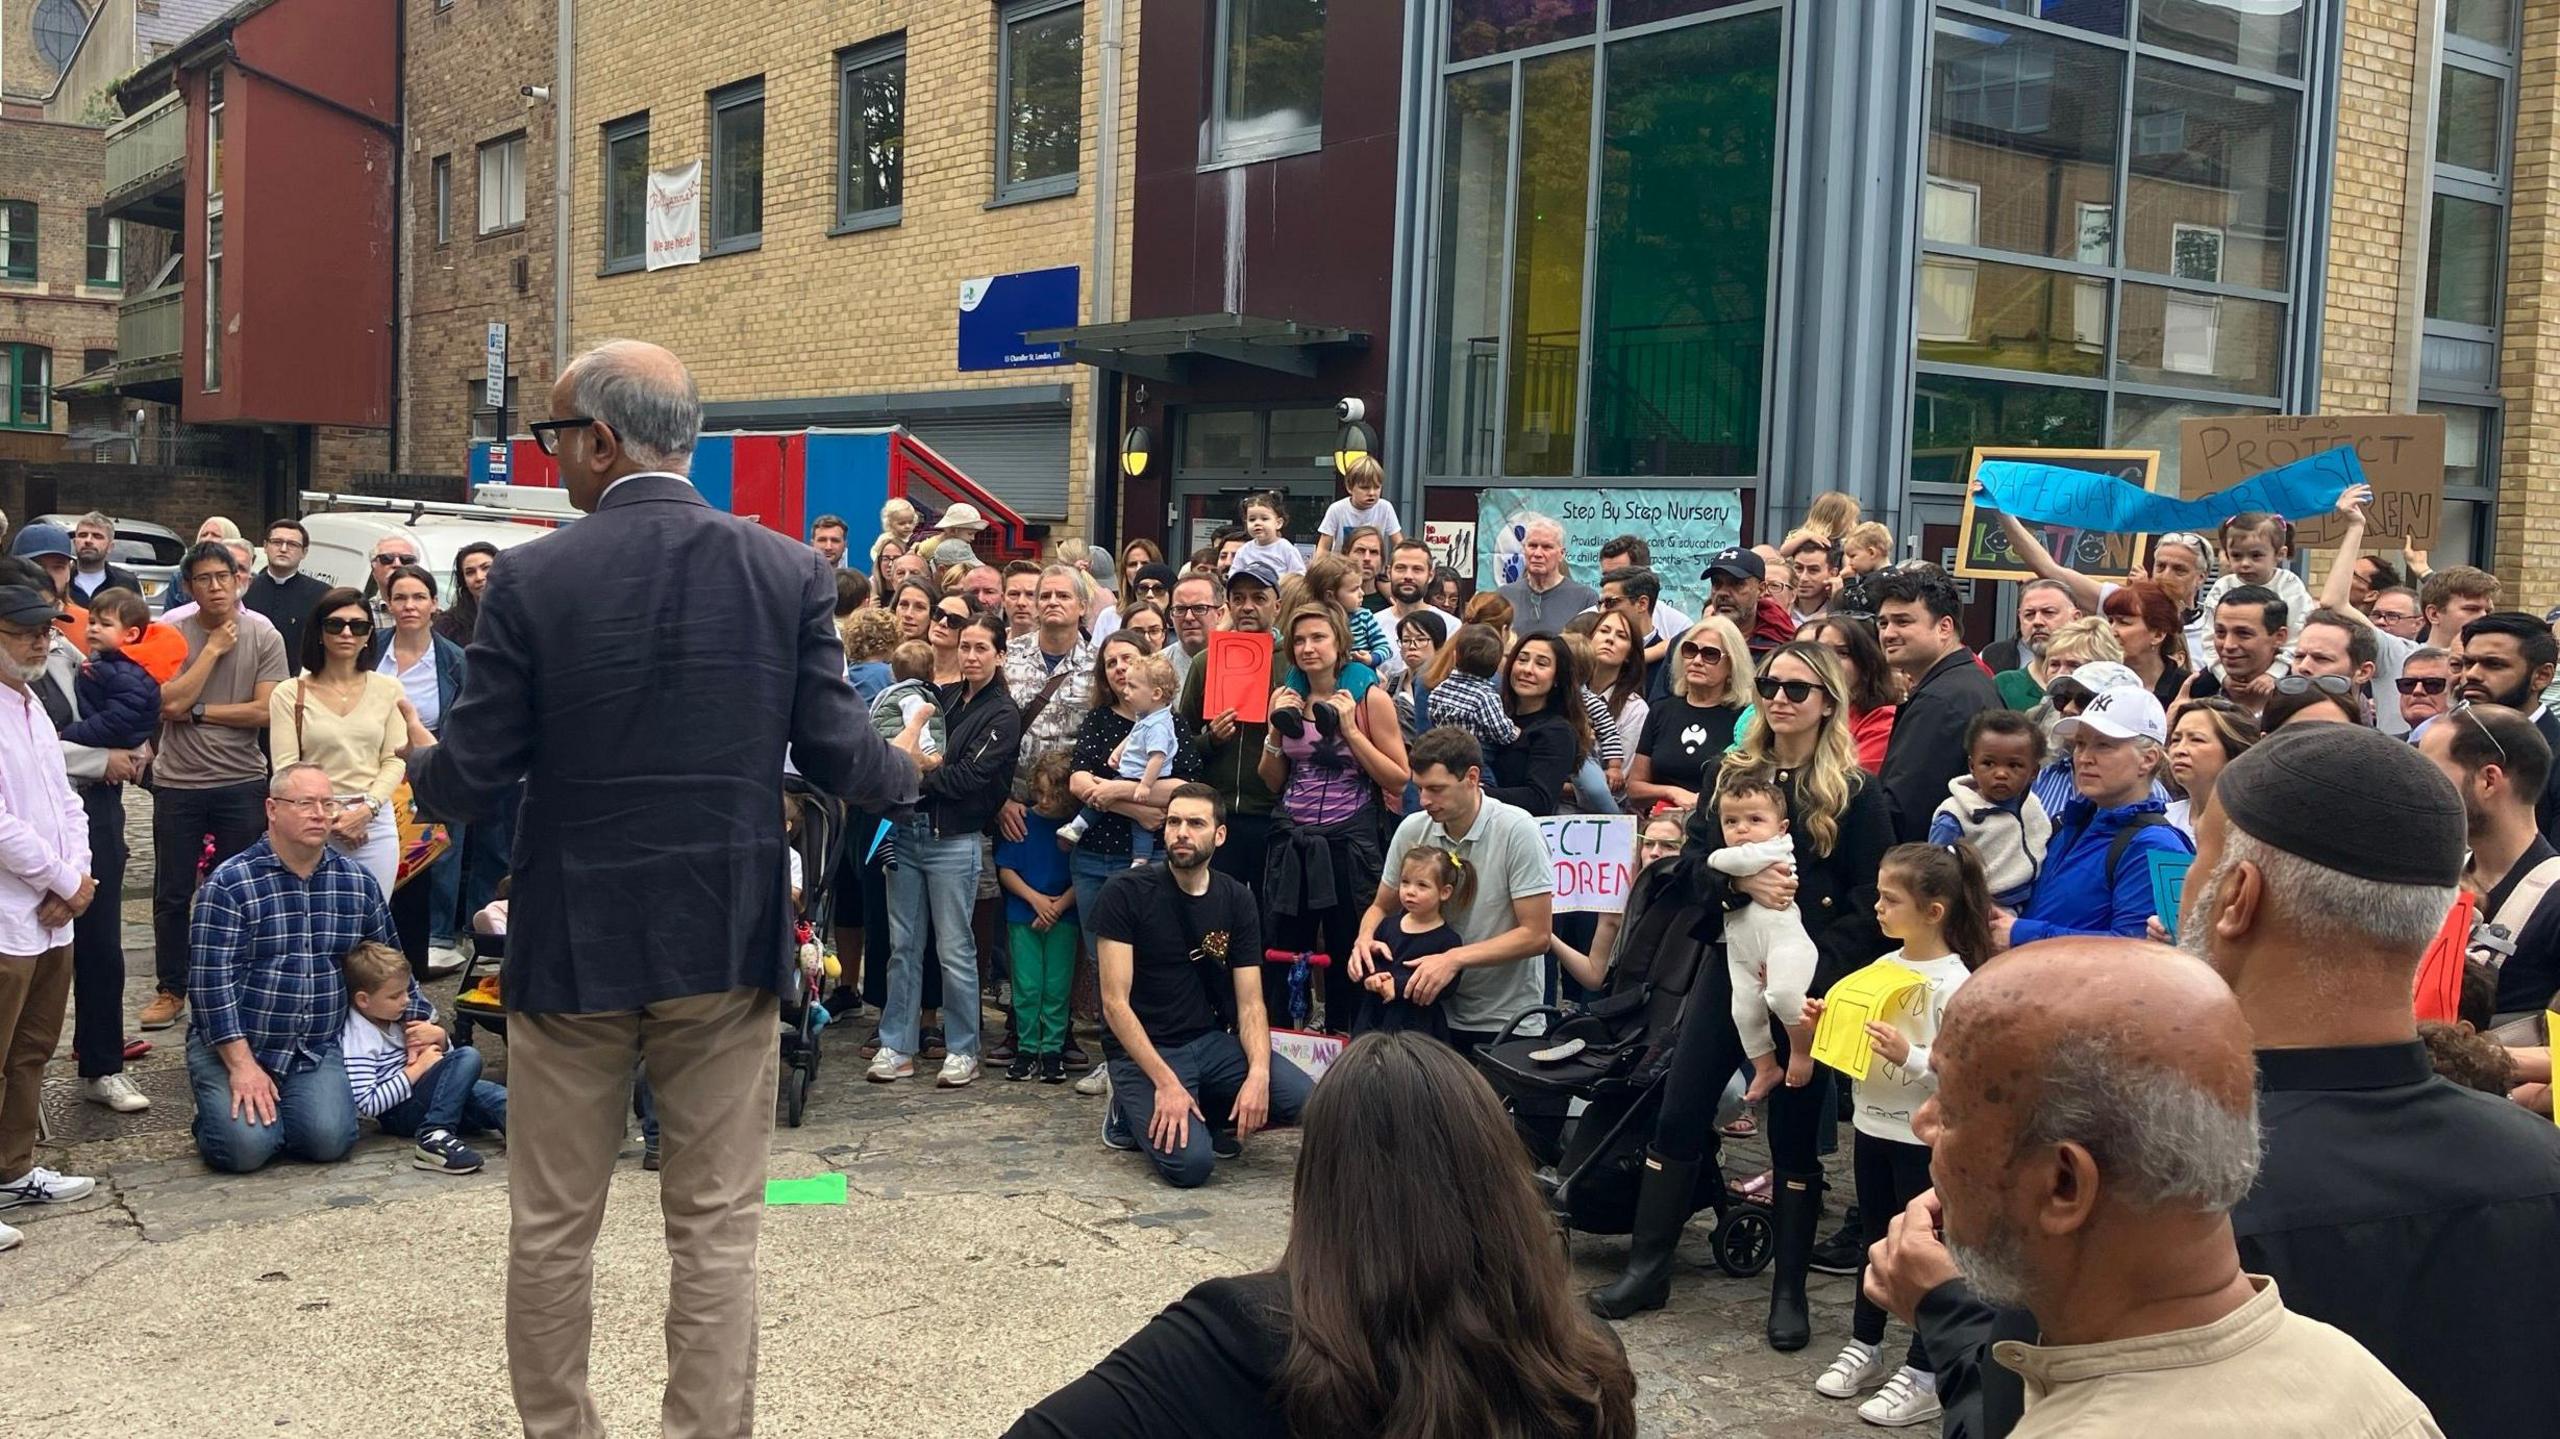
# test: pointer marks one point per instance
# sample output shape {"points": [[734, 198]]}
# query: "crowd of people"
{"points": [[2100, 1178]]}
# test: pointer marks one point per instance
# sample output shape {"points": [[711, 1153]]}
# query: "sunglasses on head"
{"points": [[2423, 684], [1796, 691], [341, 625], [2334, 686], [1712, 654]]}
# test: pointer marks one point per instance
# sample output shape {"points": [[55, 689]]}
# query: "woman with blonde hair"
{"points": [[1832, 516], [1799, 737], [1687, 731]]}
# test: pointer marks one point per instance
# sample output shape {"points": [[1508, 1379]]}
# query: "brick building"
{"points": [[60, 268], [863, 164], [477, 221]]}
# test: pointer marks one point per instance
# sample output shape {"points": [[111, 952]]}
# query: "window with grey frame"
{"points": [[871, 134], [440, 177], [2112, 227], [1266, 81], [737, 167], [626, 193], [2469, 189], [1039, 98]]}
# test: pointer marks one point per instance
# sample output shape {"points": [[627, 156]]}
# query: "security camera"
{"points": [[1349, 409], [534, 94]]}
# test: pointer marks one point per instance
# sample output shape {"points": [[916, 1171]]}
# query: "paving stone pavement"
{"points": [[991, 1250]]}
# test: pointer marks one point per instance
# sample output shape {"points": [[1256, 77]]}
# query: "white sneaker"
{"points": [[1097, 1082], [442, 960], [9, 1238], [957, 1070], [889, 1066], [1859, 1368], [1909, 1397], [43, 1186], [115, 1092]]}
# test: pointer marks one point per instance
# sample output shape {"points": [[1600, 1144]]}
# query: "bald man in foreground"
{"points": [[2095, 1122]]}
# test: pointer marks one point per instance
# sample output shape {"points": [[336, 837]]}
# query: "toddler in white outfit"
{"points": [[1767, 950]]}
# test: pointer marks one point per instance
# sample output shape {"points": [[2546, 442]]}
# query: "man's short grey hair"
{"points": [[2159, 1138], [2057, 586], [2335, 916], [1533, 522], [97, 518], [282, 784], [616, 382], [2427, 654]]}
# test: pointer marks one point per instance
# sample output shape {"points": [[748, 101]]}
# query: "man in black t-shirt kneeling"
{"points": [[1184, 1030]]}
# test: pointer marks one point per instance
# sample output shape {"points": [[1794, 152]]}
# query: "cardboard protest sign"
{"points": [[1840, 1036], [2402, 456], [1982, 548], [1593, 855], [1239, 675], [1307, 1049]]}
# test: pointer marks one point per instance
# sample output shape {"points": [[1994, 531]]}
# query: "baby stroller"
{"points": [[1613, 1053], [804, 1019]]}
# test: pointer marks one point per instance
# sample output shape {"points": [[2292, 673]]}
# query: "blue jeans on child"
{"points": [[315, 1113], [450, 1096], [941, 874]]}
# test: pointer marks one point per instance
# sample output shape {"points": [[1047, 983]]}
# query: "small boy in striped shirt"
{"points": [[432, 1095]]}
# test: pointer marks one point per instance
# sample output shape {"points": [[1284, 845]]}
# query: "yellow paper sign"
{"points": [[1840, 1039]]}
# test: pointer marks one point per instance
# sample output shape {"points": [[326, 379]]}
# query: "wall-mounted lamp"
{"points": [[1134, 448]]}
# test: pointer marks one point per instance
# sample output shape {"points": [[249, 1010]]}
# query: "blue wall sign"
{"points": [[996, 309]]}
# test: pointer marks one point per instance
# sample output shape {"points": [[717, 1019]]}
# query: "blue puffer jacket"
{"points": [[119, 705], [2072, 894]]}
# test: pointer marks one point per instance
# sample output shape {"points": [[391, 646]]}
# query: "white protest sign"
{"points": [[1594, 856], [1312, 1052], [674, 223]]}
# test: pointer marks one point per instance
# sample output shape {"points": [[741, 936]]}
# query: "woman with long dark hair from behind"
{"points": [[1423, 1297]]}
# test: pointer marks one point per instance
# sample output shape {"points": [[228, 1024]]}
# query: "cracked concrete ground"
{"points": [[990, 1250]]}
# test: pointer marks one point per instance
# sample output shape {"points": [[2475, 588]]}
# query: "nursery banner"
{"points": [[674, 221], [1684, 527]]}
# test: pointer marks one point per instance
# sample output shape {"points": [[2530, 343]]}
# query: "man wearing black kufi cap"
{"points": [[2391, 1204]]}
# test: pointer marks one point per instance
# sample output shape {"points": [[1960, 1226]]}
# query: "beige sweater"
{"points": [[360, 751]]}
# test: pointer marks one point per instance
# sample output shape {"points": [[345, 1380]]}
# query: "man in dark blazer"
{"points": [[1916, 624], [643, 709]]}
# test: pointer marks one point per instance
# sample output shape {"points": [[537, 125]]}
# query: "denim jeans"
{"points": [[444, 894], [235, 815], [1591, 789], [315, 1113], [941, 874], [1089, 872], [450, 1096], [1212, 1067]]}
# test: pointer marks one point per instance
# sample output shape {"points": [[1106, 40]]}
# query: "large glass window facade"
{"points": [[2111, 231], [1603, 221], [2476, 85]]}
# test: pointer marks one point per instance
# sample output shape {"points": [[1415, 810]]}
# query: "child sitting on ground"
{"points": [[1767, 951], [911, 668], [1145, 755], [119, 700], [1993, 807], [1428, 881], [1467, 696], [432, 1093]]}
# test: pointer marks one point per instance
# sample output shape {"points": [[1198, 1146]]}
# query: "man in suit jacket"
{"points": [[646, 715], [1916, 624]]}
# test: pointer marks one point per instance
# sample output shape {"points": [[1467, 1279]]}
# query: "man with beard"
{"points": [[2507, 658], [2323, 869], [2404, 621], [1916, 625], [2498, 763], [1184, 1041], [1738, 589], [1409, 586], [2095, 1122], [2043, 607], [2248, 646], [93, 536]]}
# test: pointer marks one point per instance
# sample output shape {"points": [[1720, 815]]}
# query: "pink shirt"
{"points": [[44, 833]]}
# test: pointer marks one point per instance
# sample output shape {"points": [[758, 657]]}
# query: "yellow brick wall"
{"points": [[2528, 532], [2360, 323], [811, 313]]}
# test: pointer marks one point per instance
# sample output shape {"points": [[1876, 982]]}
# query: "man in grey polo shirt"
{"points": [[1544, 596], [1493, 974]]}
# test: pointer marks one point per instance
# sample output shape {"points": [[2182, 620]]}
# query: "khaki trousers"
{"points": [[711, 1061], [34, 992]]}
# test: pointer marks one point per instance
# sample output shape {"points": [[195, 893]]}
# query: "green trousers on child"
{"points": [[1044, 967]]}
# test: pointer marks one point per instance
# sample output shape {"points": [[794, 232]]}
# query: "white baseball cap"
{"points": [[2100, 676], [2128, 713]]}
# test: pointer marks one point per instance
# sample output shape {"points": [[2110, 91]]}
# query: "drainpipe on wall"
{"points": [[1102, 444], [2417, 209], [1401, 426], [399, 236], [564, 117]]}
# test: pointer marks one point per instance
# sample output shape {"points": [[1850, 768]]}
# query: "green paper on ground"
{"points": [[817, 1189]]}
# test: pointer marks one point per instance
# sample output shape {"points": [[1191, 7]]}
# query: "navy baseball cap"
{"points": [[1735, 562]]}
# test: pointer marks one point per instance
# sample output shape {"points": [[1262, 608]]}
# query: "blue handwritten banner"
{"points": [[2053, 495]]}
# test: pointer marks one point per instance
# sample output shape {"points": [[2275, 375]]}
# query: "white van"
{"points": [[345, 528]]}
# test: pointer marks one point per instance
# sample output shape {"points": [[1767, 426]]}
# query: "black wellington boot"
{"points": [[1797, 1215], [1663, 1207]]}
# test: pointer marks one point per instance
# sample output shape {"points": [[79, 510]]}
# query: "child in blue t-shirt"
{"points": [[1146, 755], [1039, 911]]}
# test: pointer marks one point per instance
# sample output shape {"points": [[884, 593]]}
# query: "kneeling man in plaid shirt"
{"points": [[265, 993]]}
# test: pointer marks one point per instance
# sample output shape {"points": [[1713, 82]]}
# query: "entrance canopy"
{"points": [[1162, 350]]}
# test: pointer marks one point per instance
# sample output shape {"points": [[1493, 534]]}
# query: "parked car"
{"points": [[151, 551]]}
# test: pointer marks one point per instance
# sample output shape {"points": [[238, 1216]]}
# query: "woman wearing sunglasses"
{"points": [[2096, 878], [1686, 733], [949, 613], [1852, 640], [352, 721], [1799, 735]]}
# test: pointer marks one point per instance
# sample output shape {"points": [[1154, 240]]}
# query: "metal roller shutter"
{"points": [[1023, 460]]}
